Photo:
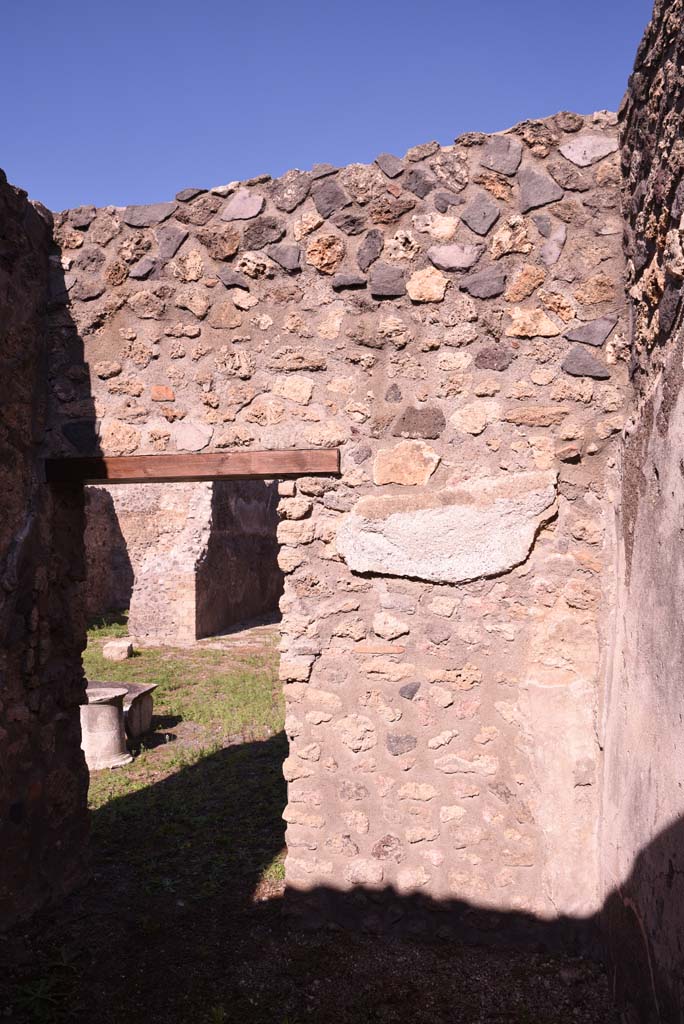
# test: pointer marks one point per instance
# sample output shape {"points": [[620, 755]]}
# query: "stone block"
{"points": [[502, 153], [147, 216], [589, 147], [474, 531], [410, 462], [244, 205], [537, 188], [117, 650], [457, 256]]}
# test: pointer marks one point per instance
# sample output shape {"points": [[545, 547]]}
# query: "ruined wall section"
{"points": [[652, 157], [43, 779], [163, 532], [453, 321], [187, 560], [643, 808]]}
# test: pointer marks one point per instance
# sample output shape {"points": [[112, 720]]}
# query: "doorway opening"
{"points": [[183, 560]]}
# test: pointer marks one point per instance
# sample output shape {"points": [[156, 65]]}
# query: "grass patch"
{"points": [[275, 872], [213, 711], [237, 694], [107, 626]]}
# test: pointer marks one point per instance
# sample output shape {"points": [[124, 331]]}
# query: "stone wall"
{"points": [[454, 321], [238, 576], [188, 560], [109, 573], [644, 803], [42, 772]]}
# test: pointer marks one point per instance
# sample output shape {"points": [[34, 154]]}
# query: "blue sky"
{"points": [[130, 101]]}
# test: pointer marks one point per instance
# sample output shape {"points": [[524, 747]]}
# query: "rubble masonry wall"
{"points": [[642, 830], [43, 778], [454, 321]]}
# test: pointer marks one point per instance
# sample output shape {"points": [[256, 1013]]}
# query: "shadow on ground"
{"points": [[182, 922]]}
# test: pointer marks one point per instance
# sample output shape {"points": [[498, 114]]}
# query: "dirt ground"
{"points": [[182, 920]]}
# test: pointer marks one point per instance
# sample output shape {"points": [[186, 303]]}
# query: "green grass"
{"points": [[234, 694], [213, 711], [112, 624]]}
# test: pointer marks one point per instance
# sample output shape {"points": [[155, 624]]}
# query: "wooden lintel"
{"points": [[139, 469]]}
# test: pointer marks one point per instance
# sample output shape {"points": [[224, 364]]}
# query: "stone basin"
{"points": [[103, 738], [137, 706]]}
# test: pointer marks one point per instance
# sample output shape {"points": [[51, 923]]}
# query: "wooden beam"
{"points": [[139, 469]]}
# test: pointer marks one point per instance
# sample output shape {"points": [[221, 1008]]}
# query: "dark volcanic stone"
{"points": [[398, 744], [537, 188], [388, 848], [419, 182], [370, 249], [89, 258], [232, 278], [544, 224], [480, 214], [502, 153], [328, 197], [486, 284], [393, 393], [342, 281], [87, 288], [409, 690], [426, 421], [143, 268], [82, 217], [669, 305], [494, 357], [170, 237], [291, 190], [263, 231], [580, 363], [352, 222], [186, 194], [146, 216], [287, 255], [361, 454], [387, 281], [593, 333], [390, 165], [443, 200], [323, 170]]}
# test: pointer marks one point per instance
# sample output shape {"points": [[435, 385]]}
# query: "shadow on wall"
{"points": [[110, 576], [180, 909], [238, 578], [43, 777]]}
